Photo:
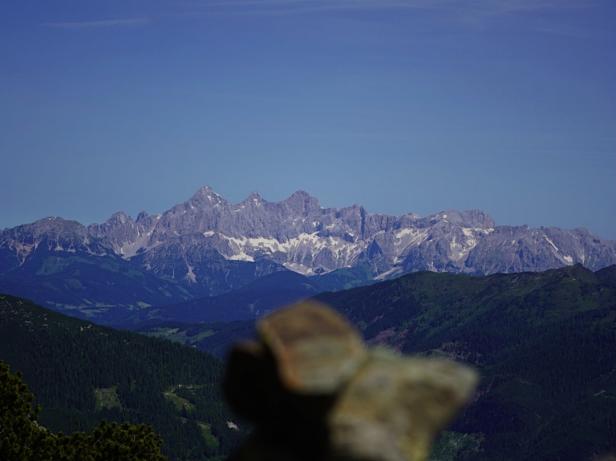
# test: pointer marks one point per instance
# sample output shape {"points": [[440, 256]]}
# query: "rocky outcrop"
{"points": [[315, 392]]}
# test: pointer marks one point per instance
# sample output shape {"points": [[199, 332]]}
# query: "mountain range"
{"points": [[208, 246]]}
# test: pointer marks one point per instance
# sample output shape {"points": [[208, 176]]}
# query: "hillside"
{"points": [[543, 342], [254, 300], [82, 374], [251, 301], [88, 286]]}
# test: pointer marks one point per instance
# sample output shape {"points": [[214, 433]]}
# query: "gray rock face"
{"points": [[122, 234], [207, 233], [49, 234]]}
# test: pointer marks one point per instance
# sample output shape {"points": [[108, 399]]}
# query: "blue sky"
{"points": [[400, 105]]}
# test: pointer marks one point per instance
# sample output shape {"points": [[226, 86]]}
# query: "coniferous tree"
{"points": [[23, 439]]}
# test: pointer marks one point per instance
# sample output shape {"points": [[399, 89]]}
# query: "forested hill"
{"points": [[544, 344], [82, 374]]}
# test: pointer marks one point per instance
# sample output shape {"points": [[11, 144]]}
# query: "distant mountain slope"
{"points": [[215, 338], [73, 279], [82, 374], [544, 343], [208, 246], [88, 286], [254, 300], [249, 302]]}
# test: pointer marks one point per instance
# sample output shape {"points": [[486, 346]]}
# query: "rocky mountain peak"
{"points": [[48, 234], [54, 225], [120, 218], [207, 196], [143, 217], [253, 199], [466, 218], [302, 202]]}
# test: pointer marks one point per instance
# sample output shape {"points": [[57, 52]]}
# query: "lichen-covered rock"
{"points": [[314, 392], [393, 408], [315, 349]]}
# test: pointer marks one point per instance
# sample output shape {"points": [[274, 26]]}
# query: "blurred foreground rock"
{"points": [[314, 392]]}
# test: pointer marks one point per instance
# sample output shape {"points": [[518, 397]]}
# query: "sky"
{"points": [[508, 106]]}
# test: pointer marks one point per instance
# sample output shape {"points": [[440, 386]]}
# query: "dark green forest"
{"points": [[83, 374], [544, 344], [22, 438]]}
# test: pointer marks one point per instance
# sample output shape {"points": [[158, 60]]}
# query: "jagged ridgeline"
{"points": [[82, 374]]}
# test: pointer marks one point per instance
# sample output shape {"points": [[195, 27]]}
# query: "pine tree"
{"points": [[23, 439]]}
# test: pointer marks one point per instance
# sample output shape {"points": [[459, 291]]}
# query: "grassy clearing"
{"points": [[107, 398], [180, 403], [206, 431]]}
